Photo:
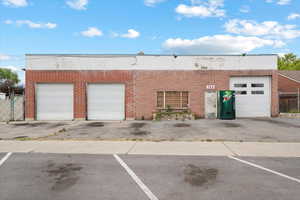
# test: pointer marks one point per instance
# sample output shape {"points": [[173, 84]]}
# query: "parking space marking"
{"points": [[265, 169], [138, 181], [5, 158]]}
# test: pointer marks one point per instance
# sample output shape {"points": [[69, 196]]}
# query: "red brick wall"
{"points": [[79, 79], [287, 85], [141, 87], [147, 83]]}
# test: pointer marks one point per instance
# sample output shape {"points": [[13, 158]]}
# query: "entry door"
{"points": [[253, 96], [106, 102], [211, 104], [54, 102]]}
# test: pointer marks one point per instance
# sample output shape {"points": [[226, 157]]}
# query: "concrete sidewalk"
{"points": [[155, 148]]}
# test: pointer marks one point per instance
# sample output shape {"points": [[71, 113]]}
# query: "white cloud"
{"points": [[4, 57], [152, 3], [32, 24], [218, 44], [245, 9], [283, 2], [269, 29], [131, 34], [12, 68], [210, 8], [293, 16], [281, 54], [8, 22], [78, 4], [92, 32], [15, 3], [279, 2]]}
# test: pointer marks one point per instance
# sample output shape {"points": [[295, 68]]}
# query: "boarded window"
{"points": [[258, 92], [257, 85], [160, 99], [173, 99], [241, 92], [185, 99], [240, 85]]}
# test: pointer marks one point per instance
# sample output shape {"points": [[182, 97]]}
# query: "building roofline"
{"points": [[133, 55], [285, 76]]}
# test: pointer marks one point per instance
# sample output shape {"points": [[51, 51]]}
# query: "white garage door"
{"points": [[106, 102], [253, 96], [54, 102]]}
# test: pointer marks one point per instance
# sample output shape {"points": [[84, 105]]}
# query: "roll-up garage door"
{"points": [[106, 102], [54, 102], [253, 96]]}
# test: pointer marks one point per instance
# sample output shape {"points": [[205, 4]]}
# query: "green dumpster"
{"points": [[226, 105]]}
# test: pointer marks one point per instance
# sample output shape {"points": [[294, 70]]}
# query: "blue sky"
{"points": [[152, 26]]}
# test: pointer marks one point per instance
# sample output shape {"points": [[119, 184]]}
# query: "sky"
{"points": [[151, 26]]}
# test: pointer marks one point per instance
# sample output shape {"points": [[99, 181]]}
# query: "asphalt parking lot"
{"points": [[240, 130], [137, 177]]}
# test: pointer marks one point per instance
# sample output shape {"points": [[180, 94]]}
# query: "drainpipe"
{"points": [[298, 100]]}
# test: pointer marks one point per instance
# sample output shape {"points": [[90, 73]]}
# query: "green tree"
{"points": [[8, 79], [289, 61]]}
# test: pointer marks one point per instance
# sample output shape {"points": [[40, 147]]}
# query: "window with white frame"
{"points": [[172, 99]]}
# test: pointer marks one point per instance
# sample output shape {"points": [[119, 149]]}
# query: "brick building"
{"points": [[289, 90], [118, 87]]}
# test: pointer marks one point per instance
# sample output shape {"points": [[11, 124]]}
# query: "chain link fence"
{"points": [[12, 109]]}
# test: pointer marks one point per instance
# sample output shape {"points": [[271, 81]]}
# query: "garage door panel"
{"points": [[54, 101], [253, 96], [106, 102]]}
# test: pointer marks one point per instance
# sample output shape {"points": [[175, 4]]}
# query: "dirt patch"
{"points": [[279, 123], [62, 130], [56, 125], [137, 129], [231, 125], [139, 132], [65, 175], [197, 176], [181, 125], [268, 138], [39, 124], [95, 124], [36, 124], [137, 125]]}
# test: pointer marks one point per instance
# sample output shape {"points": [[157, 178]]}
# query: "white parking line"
{"points": [[138, 181], [265, 169], [5, 158]]}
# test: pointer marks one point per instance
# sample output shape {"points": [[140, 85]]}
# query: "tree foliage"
{"points": [[289, 61], [8, 79]]}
